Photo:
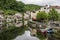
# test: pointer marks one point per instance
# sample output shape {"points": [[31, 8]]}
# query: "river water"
{"points": [[26, 36]]}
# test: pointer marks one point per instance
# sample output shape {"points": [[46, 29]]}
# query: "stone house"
{"points": [[9, 20], [1, 20], [57, 8], [18, 19], [47, 8]]}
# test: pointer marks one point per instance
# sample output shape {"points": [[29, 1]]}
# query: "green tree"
{"points": [[53, 15], [59, 16], [5, 4], [31, 7], [42, 16], [18, 6], [11, 5]]}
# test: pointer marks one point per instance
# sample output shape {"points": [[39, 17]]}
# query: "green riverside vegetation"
{"points": [[11, 33], [31, 7], [53, 15]]}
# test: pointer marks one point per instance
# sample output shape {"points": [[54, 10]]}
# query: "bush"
{"points": [[59, 16], [42, 16], [53, 15], [10, 12]]}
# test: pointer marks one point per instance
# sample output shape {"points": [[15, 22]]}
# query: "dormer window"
{"points": [[44, 8], [34, 12]]}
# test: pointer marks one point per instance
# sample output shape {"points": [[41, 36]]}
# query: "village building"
{"points": [[28, 14], [1, 20], [57, 8], [9, 20], [45, 8], [18, 19]]}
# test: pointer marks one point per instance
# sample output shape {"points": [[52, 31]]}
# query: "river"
{"points": [[26, 36]]}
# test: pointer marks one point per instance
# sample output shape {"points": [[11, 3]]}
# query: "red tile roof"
{"points": [[58, 7]]}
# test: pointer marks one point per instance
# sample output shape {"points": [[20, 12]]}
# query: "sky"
{"points": [[42, 2]]}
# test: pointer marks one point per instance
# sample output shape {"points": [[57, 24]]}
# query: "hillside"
{"points": [[8, 5], [31, 7]]}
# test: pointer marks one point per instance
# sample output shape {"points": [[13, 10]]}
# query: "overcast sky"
{"points": [[41, 2]]}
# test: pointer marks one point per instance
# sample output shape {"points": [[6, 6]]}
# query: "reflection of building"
{"points": [[33, 32], [55, 24]]}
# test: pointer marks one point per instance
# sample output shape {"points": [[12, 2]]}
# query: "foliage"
{"points": [[59, 16], [53, 15], [18, 6], [11, 5], [9, 12], [56, 35], [40, 36], [11, 33], [31, 7], [5, 4], [41, 16]]}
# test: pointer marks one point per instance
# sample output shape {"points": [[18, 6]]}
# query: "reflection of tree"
{"points": [[56, 35], [11, 33]]}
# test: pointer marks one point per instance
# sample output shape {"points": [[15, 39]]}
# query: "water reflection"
{"points": [[26, 36]]}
